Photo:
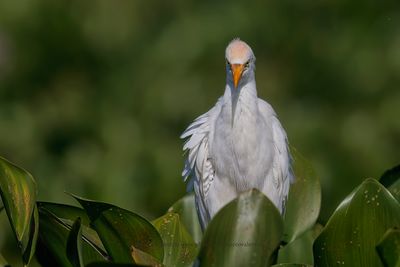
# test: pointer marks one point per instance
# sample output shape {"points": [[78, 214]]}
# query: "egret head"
{"points": [[240, 62]]}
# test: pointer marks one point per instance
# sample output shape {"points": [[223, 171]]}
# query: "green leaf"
{"points": [[74, 244], [52, 245], [141, 257], [122, 231], [304, 201], [68, 214], [111, 264], [186, 209], [3, 262], [246, 232], [356, 227], [291, 265], [389, 248], [31, 240], [391, 180], [18, 193], [179, 247], [301, 249]]}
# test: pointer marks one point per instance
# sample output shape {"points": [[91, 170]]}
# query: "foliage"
{"points": [[356, 227], [389, 248], [246, 232], [179, 247], [18, 192], [300, 216], [188, 216], [249, 231], [391, 180]]}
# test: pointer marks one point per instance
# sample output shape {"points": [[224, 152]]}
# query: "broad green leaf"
{"points": [[304, 201], [291, 265], [186, 209], [141, 257], [122, 231], [52, 245], [357, 225], [246, 232], [301, 249], [18, 193], [111, 264], [389, 248], [3, 262], [68, 214], [74, 244], [179, 247], [391, 180], [31, 240]]}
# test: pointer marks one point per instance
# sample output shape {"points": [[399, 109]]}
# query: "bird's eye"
{"points": [[247, 64]]}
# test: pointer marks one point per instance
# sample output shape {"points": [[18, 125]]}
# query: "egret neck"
{"points": [[244, 96]]}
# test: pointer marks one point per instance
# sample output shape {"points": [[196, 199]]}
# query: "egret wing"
{"points": [[282, 171], [199, 172]]}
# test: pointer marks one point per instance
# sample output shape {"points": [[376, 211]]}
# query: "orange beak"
{"points": [[237, 70]]}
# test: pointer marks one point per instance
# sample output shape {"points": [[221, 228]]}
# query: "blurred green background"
{"points": [[94, 94]]}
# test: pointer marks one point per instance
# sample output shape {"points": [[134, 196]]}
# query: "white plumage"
{"points": [[237, 145]]}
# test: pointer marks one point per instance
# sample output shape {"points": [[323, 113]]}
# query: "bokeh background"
{"points": [[94, 94]]}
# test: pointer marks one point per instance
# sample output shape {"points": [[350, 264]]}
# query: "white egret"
{"points": [[238, 144]]}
